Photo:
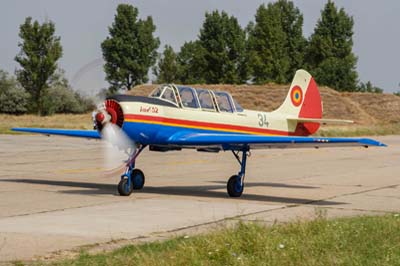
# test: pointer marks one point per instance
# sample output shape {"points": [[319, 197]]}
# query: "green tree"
{"points": [[329, 54], [276, 44], [295, 42], [166, 70], [368, 87], [40, 50], [130, 50], [223, 42], [191, 63], [13, 98]]}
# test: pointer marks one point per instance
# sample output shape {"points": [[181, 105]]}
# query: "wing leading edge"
{"points": [[91, 134], [228, 141]]}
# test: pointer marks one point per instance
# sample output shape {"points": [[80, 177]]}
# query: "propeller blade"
{"points": [[117, 145]]}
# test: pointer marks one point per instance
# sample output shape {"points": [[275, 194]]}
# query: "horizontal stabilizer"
{"points": [[91, 134], [320, 120]]}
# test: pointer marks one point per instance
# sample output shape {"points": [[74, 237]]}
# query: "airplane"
{"points": [[176, 117]]}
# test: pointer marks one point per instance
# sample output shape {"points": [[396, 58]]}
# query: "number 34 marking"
{"points": [[262, 120]]}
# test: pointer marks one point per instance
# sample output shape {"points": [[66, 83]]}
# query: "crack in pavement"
{"points": [[360, 210], [60, 209]]}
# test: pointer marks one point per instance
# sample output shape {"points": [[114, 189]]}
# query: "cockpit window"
{"points": [[205, 99], [169, 95], [224, 102], [237, 106], [156, 92], [188, 97]]}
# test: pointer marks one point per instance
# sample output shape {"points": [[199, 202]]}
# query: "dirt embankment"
{"points": [[363, 108]]}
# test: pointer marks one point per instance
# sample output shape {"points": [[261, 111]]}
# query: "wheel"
{"points": [[235, 189], [123, 188], [137, 179]]}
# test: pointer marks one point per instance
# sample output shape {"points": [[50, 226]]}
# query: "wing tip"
{"points": [[371, 142]]}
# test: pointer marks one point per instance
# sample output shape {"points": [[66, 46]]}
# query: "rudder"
{"points": [[303, 101]]}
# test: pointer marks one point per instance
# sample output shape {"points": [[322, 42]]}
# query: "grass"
{"points": [[80, 121], [359, 130], [365, 240]]}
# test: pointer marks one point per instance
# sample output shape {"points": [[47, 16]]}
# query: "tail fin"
{"points": [[302, 101]]}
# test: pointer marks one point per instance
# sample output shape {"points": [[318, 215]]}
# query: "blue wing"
{"points": [[236, 141], [92, 134], [225, 140]]}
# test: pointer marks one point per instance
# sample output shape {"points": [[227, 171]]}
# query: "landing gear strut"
{"points": [[235, 184], [132, 178]]}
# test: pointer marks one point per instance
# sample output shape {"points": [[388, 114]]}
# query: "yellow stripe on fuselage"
{"points": [[198, 127]]}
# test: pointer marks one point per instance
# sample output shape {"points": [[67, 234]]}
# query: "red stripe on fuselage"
{"points": [[207, 125]]}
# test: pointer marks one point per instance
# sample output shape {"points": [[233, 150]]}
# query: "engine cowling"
{"points": [[111, 112]]}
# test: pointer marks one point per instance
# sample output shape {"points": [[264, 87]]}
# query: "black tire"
{"points": [[233, 187], [138, 179], [123, 189]]}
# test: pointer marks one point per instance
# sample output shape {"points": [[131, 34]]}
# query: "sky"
{"points": [[83, 25]]}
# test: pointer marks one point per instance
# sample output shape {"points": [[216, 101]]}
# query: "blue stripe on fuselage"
{"points": [[146, 133]]}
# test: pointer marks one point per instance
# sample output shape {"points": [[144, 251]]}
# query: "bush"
{"points": [[14, 101], [61, 99], [13, 98]]}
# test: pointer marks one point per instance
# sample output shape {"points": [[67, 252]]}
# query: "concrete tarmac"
{"points": [[56, 195]]}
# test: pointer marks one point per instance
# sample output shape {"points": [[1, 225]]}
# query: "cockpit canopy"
{"points": [[202, 99]]}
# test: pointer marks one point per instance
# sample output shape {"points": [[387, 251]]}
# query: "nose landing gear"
{"points": [[132, 179]]}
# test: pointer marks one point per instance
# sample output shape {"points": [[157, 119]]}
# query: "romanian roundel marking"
{"points": [[296, 95]]}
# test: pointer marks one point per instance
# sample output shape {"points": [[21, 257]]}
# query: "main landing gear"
{"points": [[132, 179], [235, 184]]}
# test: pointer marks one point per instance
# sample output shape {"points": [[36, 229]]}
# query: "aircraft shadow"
{"points": [[207, 191], [269, 184]]}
